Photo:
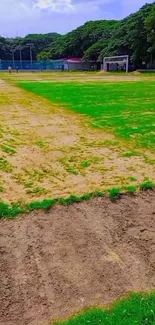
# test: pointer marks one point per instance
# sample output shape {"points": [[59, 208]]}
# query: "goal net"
{"points": [[116, 63]]}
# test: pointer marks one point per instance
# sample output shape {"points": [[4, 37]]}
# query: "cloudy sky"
{"points": [[20, 17]]}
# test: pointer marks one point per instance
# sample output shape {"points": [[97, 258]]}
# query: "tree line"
{"points": [[134, 35]]}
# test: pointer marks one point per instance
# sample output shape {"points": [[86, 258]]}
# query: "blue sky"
{"points": [[21, 17]]}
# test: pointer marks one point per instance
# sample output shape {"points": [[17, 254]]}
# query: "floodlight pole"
{"points": [[31, 57], [20, 52], [13, 58], [20, 57]]}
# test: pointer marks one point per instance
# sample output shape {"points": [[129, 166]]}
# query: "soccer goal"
{"points": [[115, 63]]}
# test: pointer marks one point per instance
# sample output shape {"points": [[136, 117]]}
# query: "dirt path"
{"points": [[55, 263]]}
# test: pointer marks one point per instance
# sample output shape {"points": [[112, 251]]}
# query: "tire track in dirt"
{"points": [[57, 262]]}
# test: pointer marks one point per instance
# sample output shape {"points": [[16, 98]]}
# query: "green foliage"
{"points": [[43, 56], [114, 193], [96, 39], [147, 185], [136, 309], [78, 41], [41, 42], [125, 108], [150, 27]]}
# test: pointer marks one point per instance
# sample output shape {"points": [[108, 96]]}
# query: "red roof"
{"points": [[71, 59]]}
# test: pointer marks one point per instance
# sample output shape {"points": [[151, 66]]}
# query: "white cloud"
{"points": [[54, 5], [70, 6], [42, 16]]}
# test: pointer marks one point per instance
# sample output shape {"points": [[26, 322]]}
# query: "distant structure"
{"points": [[75, 64], [116, 63], [67, 64]]}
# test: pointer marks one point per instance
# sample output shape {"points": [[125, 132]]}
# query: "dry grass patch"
{"points": [[47, 151]]}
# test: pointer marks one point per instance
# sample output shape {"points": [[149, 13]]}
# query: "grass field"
{"points": [[128, 109], [74, 138], [137, 309]]}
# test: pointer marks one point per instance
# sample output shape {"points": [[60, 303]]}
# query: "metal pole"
{"points": [[30, 45], [127, 64], [13, 53], [20, 50], [31, 56], [13, 58]]}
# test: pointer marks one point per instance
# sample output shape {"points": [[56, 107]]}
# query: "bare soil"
{"points": [[57, 262]]}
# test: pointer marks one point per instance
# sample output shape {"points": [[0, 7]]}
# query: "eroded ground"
{"points": [[48, 151], [57, 262]]}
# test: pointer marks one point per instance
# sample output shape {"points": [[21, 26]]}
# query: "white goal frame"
{"points": [[120, 59]]}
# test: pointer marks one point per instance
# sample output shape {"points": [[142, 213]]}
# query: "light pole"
{"points": [[31, 45], [13, 57], [20, 51]]}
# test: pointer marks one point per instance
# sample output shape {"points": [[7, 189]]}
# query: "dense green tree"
{"points": [[43, 56], [150, 28], [39, 43]]}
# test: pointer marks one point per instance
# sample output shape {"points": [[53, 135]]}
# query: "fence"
{"points": [[35, 65]]}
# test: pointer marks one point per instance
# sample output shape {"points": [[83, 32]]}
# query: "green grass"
{"points": [[12, 210], [85, 164], [126, 108], [137, 309], [133, 178], [130, 188], [147, 185], [5, 166], [114, 193], [8, 149], [129, 154]]}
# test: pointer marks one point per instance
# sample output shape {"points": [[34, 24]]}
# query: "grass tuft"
{"points": [[38, 205], [85, 164], [114, 193], [148, 185], [130, 189], [10, 211], [133, 179], [8, 149], [129, 154]]}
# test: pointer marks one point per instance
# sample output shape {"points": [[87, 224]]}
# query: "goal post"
{"points": [[114, 62]]}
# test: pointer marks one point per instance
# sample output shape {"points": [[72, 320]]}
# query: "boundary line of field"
{"points": [[11, 211]]}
